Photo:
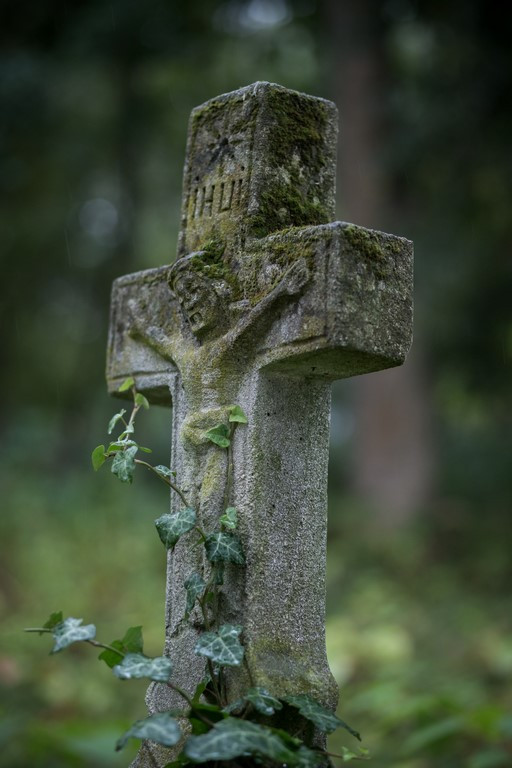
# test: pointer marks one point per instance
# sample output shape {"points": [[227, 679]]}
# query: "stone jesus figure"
{"points": [[213, 349]]}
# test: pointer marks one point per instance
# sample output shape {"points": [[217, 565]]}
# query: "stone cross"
{"points": [[267, 303]]}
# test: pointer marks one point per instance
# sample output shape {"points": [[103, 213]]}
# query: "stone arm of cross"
{"points": [[154, 336]]}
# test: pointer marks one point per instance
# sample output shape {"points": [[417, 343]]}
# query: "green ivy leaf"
{"points": [[141, 400], [229, 519], [127, 384], [219, 435], [194, 585], [98, 457], [348, 755], [200, 689], [113, 421], [224, 546], [132, 642], [161, 727], [222, 647], [70, 631], [55, 618], [236, 414], [232, 738], [123, 465], [171, 526], [117, 446], [260, 698], [136, 665], [320, 716], [144, 449]]}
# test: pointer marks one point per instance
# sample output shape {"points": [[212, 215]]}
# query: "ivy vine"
{"points": [[217, 730]]}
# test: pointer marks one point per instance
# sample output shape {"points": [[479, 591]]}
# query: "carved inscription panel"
{"points": [[217, 173]]}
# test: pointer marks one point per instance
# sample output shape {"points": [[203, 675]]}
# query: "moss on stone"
{"points": [[374, 246]]}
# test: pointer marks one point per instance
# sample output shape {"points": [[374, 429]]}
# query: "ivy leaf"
{"points": [[232, 738], [171, 527], [236, 414], [164, 471], [132, 642], [123, 465], [141, 400], [70, 631], [229, 519], [318, 715], [224, 546], [136, 665], [348, 755], [55, 618], [222, 647], [195, 587], [219, 435], [161, 727], [144, 449], [129, 430], [98, 457], [113, 421], [117, 446], [260, 698], [200, 689], [127, 384]]}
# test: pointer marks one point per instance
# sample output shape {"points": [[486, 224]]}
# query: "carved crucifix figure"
{"points": [[266, 304]]}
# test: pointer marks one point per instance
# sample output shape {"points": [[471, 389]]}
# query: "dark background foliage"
{"points": [[94, 102]]}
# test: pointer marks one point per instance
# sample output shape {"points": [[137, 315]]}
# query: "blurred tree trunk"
{"points": [[392, 452]]}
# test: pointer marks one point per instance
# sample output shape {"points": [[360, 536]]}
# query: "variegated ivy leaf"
{"points": [[229, 519], [113, 421], [71, 631], [171, 526], [320, 716], [236, 414], [195, 587], [164, 471], [219, 435], [161, 727], [262, 700], [222, 647], [135, 665], [224, 546], [123, 464], [232, 737]]}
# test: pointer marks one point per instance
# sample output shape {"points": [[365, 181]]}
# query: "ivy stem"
{"points": [[97, 644], [182, 693], [165, 480], [229, 478]]}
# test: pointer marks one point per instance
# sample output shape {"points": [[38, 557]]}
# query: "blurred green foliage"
{"points": [[94, 102]]}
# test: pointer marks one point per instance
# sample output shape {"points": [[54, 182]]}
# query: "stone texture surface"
{"points": [[267, 303]]}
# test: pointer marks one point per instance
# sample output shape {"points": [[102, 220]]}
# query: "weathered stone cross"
{"points": [[267, 303]]}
